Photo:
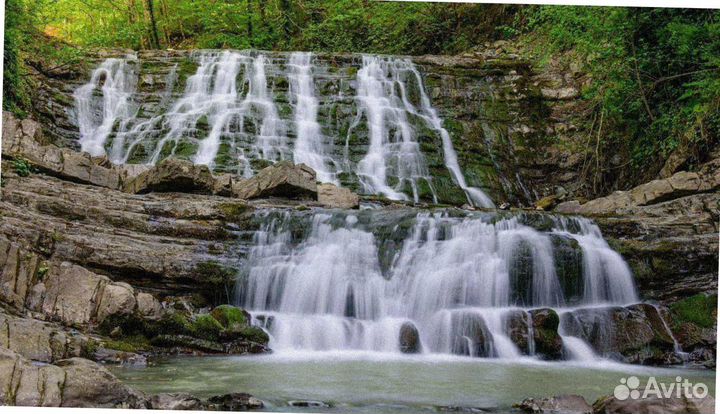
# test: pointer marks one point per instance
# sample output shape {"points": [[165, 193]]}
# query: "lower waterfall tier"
{"points": [[479, 284]]}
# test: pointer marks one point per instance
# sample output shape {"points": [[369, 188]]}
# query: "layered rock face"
{"points": [[492, 107]]}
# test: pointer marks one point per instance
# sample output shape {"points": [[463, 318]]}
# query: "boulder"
{"points": [[116, 299], [559, 404], [88, 384], [409, 339], [518, 332], [172, 175], [548, 344], [148, 307], [112, 356], [547, 203], [31, 385], [568, 207], [332, 196], [39, 341], [652, 404], [71, 294], [470, 335], [74, 382], [175, 401], [283, 179], [234, 402]]}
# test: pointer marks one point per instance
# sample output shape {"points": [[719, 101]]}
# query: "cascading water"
{"points": [[393, 149], [310, 148], [466, 285], [117, 81], [239, 107]]}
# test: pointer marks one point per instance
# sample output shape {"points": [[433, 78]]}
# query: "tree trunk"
{"points": [[154, 38], [249, 22]]}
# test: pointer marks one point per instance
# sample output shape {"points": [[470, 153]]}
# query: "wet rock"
{"points": [[234, 402], [308, 404], [112, 356], [173, 175], [470, 335], [187, 343], [283, 179], [633, 334], [517, 322], [560, 404], [409, 339], [653, 404], [175, 401], [548, 344], [332, 196]]}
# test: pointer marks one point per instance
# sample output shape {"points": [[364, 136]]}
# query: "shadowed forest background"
{"points": [[655, 79]]}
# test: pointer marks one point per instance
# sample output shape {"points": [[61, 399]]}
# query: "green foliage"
{"points": [[699, 309], [22, 167], [655, 72]]}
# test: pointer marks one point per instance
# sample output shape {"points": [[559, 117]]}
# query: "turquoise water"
{"points": [[371, 382]]}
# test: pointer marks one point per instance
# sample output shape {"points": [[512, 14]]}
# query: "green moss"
{"points": [[700, 309], [89, 348], [207, 327], [233, 210], [215, 274], [255, 334], [134, 344], [229, 316], [173, 324]]}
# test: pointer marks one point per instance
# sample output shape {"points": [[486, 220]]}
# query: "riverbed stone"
{"points": [[559, 404], [653, 404], [175, 401], [234, 402], [88, 384]]}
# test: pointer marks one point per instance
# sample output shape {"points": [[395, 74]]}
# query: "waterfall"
{"points": [[117, 81], [310, 148], [393, 149], [606, 275], [241, 110], [339, 284], [475, 196]]}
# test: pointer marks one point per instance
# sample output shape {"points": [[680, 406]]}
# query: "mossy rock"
{"points": [[233, 211], [173, 324], [205, 326], [230, 317], [254, 334], [700, 309]]}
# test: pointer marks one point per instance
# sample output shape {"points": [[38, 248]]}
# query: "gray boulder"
{"points": [[172, 175], [559, 404], [283, 179]]}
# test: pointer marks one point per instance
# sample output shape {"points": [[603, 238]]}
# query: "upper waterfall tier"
{"points": [[367, 123]]}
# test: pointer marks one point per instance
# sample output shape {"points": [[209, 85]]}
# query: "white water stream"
{"points": [[228, 115]]}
